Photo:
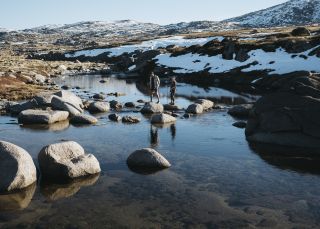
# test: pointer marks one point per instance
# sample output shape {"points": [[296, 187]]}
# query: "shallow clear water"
{"points": [[216, 180]]}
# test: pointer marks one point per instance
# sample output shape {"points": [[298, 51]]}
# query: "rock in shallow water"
{"points": [[162, 119], [152, 108], [97, 107], [115, 117], [42, 116], [67, 101], [83, 119], [206, 104], [17, 170], [195, 109], [240, 124], [147, 158], [130, 119], [67, 160]]}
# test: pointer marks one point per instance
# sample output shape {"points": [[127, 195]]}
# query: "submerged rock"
{"points": [[42, 116], [67, 160], [240, 124], [17, 170], [83, 119], [147, 158], [162, 119], [152, 108], [97, 107], [195, 109]]}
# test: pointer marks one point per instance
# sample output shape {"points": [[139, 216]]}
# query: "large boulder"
{"points": [[162, 119], [286, 118], [152, 108], [42, 116], [98, 107], [147, 158], [195, 109], [67, 101], [206, 104], [17, 170], [43, 99], [67, 160]]}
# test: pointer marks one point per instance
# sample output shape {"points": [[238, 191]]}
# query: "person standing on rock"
{"points": [[173, 89], [154, 86]]}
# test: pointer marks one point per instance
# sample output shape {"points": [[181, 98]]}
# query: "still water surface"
{"points": [[217, 180]]}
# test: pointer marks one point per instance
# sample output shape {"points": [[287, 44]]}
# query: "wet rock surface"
{"points": [[147, 158], [42, 116]]}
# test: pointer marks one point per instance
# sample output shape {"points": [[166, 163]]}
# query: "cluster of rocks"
{"points": [[65, 160], [200, 106], [61, 161]]}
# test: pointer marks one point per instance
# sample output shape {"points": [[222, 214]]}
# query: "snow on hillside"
{"points": [[294, 12], [279, 62], [144, 46]]}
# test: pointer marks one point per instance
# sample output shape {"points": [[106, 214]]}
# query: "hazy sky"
{"points": [[29, 13]]}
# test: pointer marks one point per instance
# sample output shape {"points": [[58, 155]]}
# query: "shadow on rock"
{"points": [[58, 126], [295, 159], [17, 200], [54, 190]]}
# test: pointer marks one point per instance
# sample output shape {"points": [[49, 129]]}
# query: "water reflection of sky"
{"points": [[216, 180]]}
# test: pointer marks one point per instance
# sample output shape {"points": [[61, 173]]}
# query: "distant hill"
{"points": [[294, 12]]}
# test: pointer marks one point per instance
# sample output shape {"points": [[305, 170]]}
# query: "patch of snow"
{"points": [[283, 62], [144, 46], [132, 67]]}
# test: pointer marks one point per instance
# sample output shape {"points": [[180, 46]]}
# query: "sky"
{"points": [[20, 14]]}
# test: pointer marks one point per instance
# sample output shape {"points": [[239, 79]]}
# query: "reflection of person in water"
{"points": [[173, 89], [154, 136], [173, 131]]}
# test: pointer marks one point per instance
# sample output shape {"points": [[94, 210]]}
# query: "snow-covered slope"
{"points": [[294, 12]]}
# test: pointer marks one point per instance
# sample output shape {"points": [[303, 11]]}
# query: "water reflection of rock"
{"points": [[286, 158], [58, 126], [54, 191], [18, 200]]}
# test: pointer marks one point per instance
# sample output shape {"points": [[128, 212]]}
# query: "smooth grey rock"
{"points": [[162, 119], [97, 107], [195, 109], [42, 116], [206, 104], [83, 119], [67, 101], [17, 170], [67, 160], [43, 99], [147, 158], [152, 108]]}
